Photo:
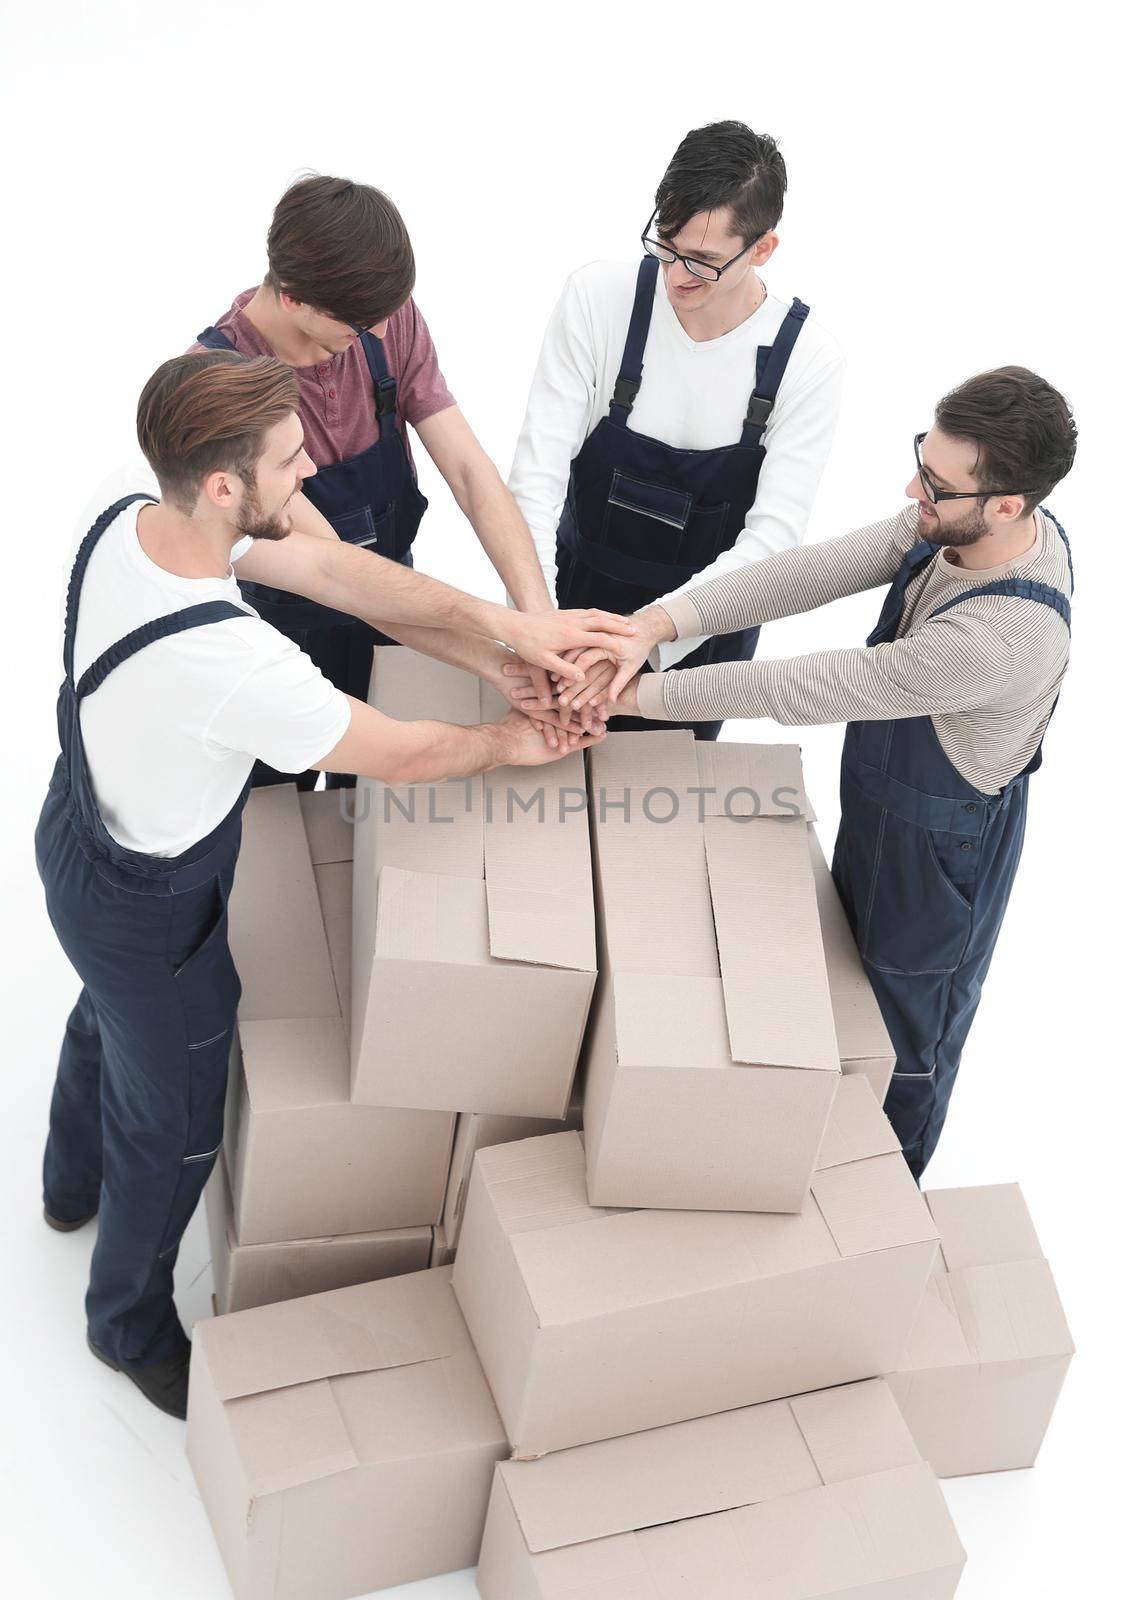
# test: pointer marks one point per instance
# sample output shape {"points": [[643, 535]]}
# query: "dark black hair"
{"points": [[723, 164], [1021, 425]]}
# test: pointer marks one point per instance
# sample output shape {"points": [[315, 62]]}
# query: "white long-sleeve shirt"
{"points": [[693, 396]]}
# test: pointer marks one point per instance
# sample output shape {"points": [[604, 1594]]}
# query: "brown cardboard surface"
{"points": [[305, 1163], [263, 1274], [275, 924], [474, 953], [327, 816], [474, 1131], [989, 1351], [862, 1039], [593, 1322], [343, 1442], [442, 1253], [806, 1497], [719, 1036]]}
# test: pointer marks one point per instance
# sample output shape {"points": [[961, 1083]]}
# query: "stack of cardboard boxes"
{"points": [[660, 1354]]}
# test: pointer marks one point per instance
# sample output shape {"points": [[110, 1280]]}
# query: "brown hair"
{"points": [[341, 248], [1022, 427], [209, 412]]}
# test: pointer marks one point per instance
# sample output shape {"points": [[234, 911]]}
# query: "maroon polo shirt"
{"points": [[336, 401]]}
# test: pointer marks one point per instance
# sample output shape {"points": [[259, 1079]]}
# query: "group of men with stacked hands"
{"points": [[219, 634]]}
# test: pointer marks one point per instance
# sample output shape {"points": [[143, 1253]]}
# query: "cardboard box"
{"points": [[443, 1254], [990, 1349], [475, 1131], [862, 1037], [306, 1163], [474, 952], [248, 1275], [592, 1322], [711, 1062], [344, 1442], [819, 1497]]}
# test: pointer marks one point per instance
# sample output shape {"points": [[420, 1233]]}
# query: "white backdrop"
{"points": [[949, 211]]}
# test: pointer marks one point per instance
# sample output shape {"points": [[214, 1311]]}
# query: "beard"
{"points": [[254, 523], [965, 530]]}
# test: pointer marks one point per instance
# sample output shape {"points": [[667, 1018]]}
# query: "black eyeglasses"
{"points": [[935, 494], [698, 269]]}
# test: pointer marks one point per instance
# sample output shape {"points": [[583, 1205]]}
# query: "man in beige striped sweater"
{"points": [[947, 705]]}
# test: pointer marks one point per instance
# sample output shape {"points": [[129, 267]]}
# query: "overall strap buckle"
{"points": [[625, 391], [386, 389], [758, 411]]}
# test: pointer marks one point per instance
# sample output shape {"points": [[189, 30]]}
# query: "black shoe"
{"points": [[164, 1384], [68, 1227]]}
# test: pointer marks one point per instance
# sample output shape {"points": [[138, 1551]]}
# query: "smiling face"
{"points": [[278, 475], [709, 237], [951, 465]]}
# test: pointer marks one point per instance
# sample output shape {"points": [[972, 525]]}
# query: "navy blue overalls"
{"points": [[138, 1107], [924, 863], [372, 501], [642, 517]]}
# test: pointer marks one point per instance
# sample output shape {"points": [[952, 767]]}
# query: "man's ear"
{"points": [[218, 490], [764, 249], [1010, 507]]}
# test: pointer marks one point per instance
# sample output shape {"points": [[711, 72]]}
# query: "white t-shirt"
{"points": [[693, 396], [171, 734]]}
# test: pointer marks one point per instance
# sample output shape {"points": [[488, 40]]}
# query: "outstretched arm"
{"points": [[780, 586], [953, 663], [488, 505], [379, 591]]}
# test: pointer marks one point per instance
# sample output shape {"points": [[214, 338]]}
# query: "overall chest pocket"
{"points": [[360, 527], [662, 524], [644, 519]]}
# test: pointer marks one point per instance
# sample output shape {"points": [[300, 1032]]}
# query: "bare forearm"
{"points": [[306, 518], [488, 505], [436, 750], [376, 746], [386, 593], [482, 657]]}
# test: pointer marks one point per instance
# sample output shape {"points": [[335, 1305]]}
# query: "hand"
{"points": [[522, 744], [540, 637], [653, 627], [626, 704], [520, 686], [517, 680], [588, 697]]}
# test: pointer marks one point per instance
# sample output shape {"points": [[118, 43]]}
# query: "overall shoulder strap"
{"points": [[1022, 588], [769, 374], [149, 632], [1067, 546], [213, 339], [78, 573], [384, 385], [627, 386]]}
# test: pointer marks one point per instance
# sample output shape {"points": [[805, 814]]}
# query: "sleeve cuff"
{"points": [[683, 614], [650, 697]]}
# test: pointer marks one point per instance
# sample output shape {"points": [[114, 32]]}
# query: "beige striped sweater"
{"points": [[986, 672]]}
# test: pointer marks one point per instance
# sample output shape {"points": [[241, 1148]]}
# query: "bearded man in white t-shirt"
{"points": [[173, 686], [682, 412]]}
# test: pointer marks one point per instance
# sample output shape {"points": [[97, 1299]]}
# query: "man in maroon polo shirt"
{"points": [[336, 304]]}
